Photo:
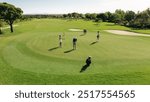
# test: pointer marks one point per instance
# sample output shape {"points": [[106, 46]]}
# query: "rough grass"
{"points": [[31, 56]]}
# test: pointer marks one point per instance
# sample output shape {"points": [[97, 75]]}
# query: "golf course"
{"points": [[31, 55]]}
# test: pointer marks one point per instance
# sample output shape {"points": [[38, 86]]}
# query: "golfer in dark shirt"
{"points": [[98, 35], [74, 42], [88, 61]]}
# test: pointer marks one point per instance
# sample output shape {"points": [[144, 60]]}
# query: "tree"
{"points": [[1, 25], [148, 20], [87, 16], [142, 20], [109, 16], [129, 17], [119, 16], [9, 13], [93, 16], [102, 16], [65, 15], [75, 15]]}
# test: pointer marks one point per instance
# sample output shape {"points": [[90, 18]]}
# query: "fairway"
{"points": [[31, 55]]}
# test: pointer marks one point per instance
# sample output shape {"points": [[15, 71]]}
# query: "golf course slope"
{"points": [[31, 55]]}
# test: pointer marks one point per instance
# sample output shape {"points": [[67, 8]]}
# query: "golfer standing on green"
{"points": [[60, 40], [74, 41], [98, 35]]}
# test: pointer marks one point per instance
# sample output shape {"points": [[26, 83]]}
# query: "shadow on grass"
{"points": [[82, 34], [94, 42], [84, 68], [69, 51], [54, 48]]}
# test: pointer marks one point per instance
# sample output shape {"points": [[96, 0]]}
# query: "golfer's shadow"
{"points": [[84, 68], [54, 48], [94, 42], [69, 51]]}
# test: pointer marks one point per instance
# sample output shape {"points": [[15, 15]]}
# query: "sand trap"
{"points": [[75, 30], [126, 33]]}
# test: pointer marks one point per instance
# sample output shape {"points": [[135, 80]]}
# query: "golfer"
{"points": [[84, 31], [60, 43], [74, 42], [60, 36], [98, 35], [88, 61]]}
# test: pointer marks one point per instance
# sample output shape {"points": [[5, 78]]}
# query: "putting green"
{"points": [[33, 50]]}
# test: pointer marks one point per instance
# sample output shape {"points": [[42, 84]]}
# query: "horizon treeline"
{"points": [[140, 20]]}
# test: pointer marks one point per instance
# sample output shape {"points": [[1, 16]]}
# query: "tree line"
{"points": [[141, 20], [39, 16]]}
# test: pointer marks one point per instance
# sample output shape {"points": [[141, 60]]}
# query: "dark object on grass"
{"points": [[88, 62], [60, 43], [74, 42], [68, 51], [93, 43], [54, 48], [84, 31], [98, 35]]}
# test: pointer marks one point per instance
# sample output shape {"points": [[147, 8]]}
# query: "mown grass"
{"points": [[30, 55]]}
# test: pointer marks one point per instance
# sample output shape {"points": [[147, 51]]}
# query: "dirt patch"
{"points": [[126, 33]]}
